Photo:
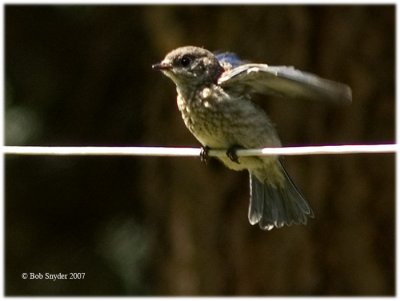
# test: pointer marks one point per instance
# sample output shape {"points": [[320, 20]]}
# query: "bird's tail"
{"points": [[277, 205]]}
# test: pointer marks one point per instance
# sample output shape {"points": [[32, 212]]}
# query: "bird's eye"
{"points": [[186, 60]]}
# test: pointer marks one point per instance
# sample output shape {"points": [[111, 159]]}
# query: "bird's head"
{"points": [[190, 66]]}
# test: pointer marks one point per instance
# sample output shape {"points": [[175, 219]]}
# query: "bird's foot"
{"points": [[231, 153], [204, 154]]}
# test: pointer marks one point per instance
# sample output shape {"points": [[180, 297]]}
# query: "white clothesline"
{"points": [[192, 152]]}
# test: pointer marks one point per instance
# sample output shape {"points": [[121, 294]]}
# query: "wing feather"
{"points": [[285, 81]]}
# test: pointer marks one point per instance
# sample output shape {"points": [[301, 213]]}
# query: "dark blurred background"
{"points": [[81, 75]]}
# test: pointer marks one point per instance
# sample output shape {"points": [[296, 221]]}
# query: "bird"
{"points": [[214, 97]]}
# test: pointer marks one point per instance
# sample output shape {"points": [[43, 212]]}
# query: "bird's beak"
{"points": [[162, 66]]}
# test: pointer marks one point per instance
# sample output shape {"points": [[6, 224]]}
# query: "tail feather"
{"points": [[256, 208], [275, 206]]}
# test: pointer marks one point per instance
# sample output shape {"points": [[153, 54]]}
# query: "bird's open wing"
{"points": [[285, 81]]}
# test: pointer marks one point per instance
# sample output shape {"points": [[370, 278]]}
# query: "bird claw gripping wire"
{"points": [[232, 153], [204, 157]]}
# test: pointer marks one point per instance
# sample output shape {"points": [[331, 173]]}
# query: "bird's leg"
{"points": [[204, 154], [231, 153]]}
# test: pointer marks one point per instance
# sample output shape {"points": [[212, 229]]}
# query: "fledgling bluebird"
{"points": [[214, 97]]}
